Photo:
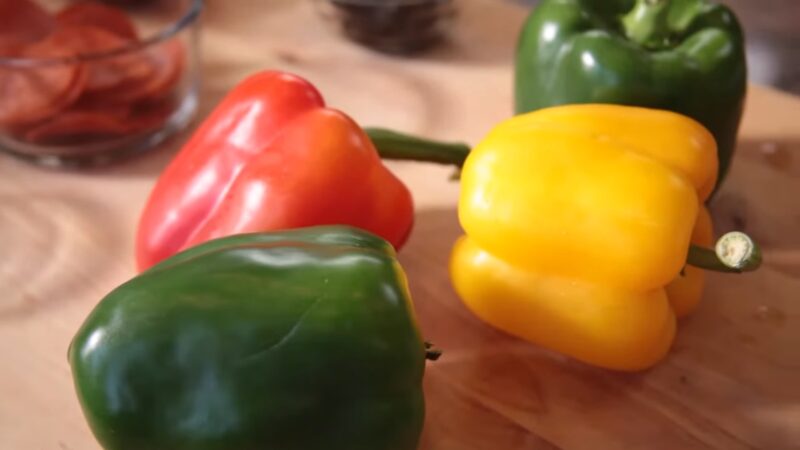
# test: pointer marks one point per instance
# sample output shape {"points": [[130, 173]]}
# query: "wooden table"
{"points": [[731, 382]]}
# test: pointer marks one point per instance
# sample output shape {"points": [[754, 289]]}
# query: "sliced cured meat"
{"points": [[98, 15], [76, 125], [24, 21], [29, 94], [105, 72], [167, 60]]}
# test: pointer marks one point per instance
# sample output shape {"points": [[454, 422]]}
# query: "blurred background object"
{"points": [[773, 40], [391, 26]]}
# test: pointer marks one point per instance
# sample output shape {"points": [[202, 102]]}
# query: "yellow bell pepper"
{"points": [[579, 220]]}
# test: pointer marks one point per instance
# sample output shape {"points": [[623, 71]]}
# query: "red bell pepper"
{"points": [[271, 156]]}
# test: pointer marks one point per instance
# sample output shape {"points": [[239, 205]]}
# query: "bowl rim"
{"points": [[190, 16]]}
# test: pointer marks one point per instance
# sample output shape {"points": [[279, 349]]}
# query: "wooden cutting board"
{"points": [[731, 382]]}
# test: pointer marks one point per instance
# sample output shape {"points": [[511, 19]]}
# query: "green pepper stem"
{"points": [[393, 145], [735, 252], [646, 24], [432, 353]]}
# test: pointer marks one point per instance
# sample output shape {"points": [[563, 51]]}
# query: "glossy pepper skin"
{"points": [[271, 156], [297, 340], [578, 221], [686, 56]]}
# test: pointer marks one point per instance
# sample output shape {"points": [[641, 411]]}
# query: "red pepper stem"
{"points": [[393, 145], [735, 252]]}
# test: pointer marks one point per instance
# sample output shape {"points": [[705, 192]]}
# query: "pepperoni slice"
{"points": [[10, 47], [105, 73], [167, 60], [29, 94], [150, 116], [170, 56], [24, 21], [77, 125], [97, 15], [87, 123]]}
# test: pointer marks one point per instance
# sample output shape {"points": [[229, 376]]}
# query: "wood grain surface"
{"points": [[731, 382]]}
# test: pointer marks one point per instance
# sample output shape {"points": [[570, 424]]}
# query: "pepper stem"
{"points": [[735, 252], [646, 24], [432, 353], [393, 145]]}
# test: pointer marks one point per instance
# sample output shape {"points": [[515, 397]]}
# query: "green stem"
{"points": [[735, 252], [393, 145], [432, 353], [646, 24]]}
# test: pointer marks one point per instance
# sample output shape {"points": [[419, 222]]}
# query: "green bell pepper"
{"points": [[296, 340], [686, 56]]}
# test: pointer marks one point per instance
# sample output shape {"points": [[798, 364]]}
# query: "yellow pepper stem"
{"points": [[735, 252]]}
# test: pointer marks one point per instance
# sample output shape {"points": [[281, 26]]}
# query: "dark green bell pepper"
{"points": [[294, 340], [687, 56]]}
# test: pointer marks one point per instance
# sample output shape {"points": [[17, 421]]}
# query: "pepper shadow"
{"points": [[481, 367], [758, 197], [492, 390]]}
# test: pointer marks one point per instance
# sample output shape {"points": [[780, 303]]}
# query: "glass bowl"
{"points": [[391, 26], [84, 83]]}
